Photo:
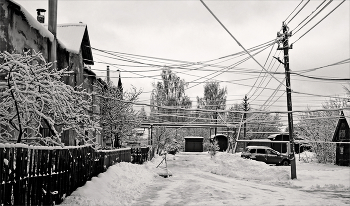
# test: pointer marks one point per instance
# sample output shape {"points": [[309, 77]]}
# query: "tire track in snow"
{"points": [[192, 186]]}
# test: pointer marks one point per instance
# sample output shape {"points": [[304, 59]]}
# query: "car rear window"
{"points": [[261, 151]]}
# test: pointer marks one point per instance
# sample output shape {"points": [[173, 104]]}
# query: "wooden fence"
{"points": [[142, 154], [31, 175]]}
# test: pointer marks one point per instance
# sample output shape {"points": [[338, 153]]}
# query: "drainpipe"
{"points": [[53, 28]]}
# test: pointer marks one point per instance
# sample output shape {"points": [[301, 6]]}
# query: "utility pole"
{"points": [[245, 108], [286, 34]]}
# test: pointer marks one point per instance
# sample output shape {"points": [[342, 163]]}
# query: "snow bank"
{"points": [[311, 176], [233, 165], [119, 185]]}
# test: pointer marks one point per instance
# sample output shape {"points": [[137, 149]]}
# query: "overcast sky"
{"points": [[186, 31]]}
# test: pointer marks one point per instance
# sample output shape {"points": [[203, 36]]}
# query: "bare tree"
{"points": [[118, 117], [170, 92], [320, 126]]}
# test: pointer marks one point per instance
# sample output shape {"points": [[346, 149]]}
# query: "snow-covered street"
{"points": [[225, 179], [193, 183]]}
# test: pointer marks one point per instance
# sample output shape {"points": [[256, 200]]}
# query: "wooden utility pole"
{"points": [[245, 108], [286, 34]]}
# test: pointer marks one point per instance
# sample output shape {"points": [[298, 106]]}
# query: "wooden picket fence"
{"points": [[46, 175]]}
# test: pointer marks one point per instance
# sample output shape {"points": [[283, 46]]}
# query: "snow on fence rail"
{"points": [[35, 175]]}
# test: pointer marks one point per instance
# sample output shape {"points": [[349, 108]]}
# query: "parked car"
{"points": [[265, 154]]}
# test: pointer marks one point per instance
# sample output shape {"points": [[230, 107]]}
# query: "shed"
{"points": [[222, 141], [342, 137], [193, 144]]}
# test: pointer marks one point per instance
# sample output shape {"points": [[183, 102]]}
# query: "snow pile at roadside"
{"points": [[233, 165], [310, 175], [119, 185], [317, 176]]}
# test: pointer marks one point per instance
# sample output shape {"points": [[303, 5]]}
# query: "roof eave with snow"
{"points": [[33, 22]]}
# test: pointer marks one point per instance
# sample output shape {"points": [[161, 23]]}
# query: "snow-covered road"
{"points": [[193, 184], [226, 179]]}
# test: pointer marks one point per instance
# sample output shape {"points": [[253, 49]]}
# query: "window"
{"points": [[342, 134], [261, 151], [252, 151]]}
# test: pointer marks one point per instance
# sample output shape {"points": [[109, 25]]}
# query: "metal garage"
{"points": [[193, 144]]}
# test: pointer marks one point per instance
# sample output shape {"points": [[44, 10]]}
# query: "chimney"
{"points": [[41, 15], [108, 78]]}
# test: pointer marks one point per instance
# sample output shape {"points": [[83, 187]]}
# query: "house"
{"points": [[19, 32], [342, 138], [74, 52]]}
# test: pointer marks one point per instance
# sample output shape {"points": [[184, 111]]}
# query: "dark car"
{"points": [[265, 154]]}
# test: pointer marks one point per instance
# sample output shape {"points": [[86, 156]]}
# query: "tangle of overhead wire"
{"points": [[236, 39], [229, 67], [293, 11], [309, 16], [298, 12], [260, 72], [319, 21], [264, 77]]}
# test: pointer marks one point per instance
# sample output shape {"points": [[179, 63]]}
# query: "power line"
{"points": [[238, 42], [222, 111], [293, 10], [319, 21], [298, 11], [260, 72], [310, 15], [228, 68], [322, 78]]}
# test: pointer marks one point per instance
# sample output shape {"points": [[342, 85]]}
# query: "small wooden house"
{"points": [[193, 144], [342, 137]]}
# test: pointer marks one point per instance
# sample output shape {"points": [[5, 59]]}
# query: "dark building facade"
{"points": [[342, 138]]}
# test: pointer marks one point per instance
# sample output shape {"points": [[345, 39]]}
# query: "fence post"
{"points": [[2, 163]]}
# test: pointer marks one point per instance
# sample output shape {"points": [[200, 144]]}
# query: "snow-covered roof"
{"points": [[193, 137], [273, 136], [212, 136], [259, 140], [71, 36], [33, 22]]}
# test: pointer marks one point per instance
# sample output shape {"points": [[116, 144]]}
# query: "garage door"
{"points": [[194, 147]]}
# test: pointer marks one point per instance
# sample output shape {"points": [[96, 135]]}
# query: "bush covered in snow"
{"points": [[33, 96]]}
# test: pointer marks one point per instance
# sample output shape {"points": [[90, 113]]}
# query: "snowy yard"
{"points": [[223, 180]]}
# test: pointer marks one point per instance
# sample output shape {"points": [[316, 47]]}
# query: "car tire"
{"points": [[285, 163]]}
